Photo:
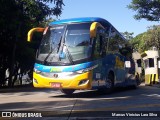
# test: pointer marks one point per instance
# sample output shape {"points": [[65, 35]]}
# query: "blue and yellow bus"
{"points": [[82, 54]]}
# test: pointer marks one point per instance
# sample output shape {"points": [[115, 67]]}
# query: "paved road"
{"points": [[90, 104]]}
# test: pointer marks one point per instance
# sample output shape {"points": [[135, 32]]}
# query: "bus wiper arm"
{"points": [[59, 44], [52, 50], [45, 60]]}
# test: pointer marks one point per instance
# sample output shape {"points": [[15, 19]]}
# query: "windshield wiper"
{"points": [[52, 50], [45, 60], [59, 45]]}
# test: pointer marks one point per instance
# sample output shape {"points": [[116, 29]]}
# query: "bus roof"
{"points": [[102, 21], [84, 19]]}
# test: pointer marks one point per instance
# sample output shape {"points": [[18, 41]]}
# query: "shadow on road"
{"points": [[94, 93], [24, 88]]}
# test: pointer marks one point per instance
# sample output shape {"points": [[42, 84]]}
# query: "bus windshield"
{"points": [[72, 40]]}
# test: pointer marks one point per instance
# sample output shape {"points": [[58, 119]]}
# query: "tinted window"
{"points": [[115, 41]]}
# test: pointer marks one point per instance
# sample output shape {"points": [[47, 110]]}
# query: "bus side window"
{"points": [[103, 45], [98, 47], [113, 43], [99, 44]]}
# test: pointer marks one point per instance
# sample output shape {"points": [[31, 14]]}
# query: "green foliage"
{"points": [[147, 9], [152, 37], [128, 36], [138, 42], [147, 40], [16, 18]]}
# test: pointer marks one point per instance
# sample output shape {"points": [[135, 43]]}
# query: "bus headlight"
{"points": [[82, 71], [82, 82], [36, 71], [86, 69]]}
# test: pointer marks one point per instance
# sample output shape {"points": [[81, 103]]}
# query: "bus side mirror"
{"points": [[127, 64], [30, 33], [93, 29]]}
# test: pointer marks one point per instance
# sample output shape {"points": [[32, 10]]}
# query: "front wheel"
{"points": [[67, 91]]}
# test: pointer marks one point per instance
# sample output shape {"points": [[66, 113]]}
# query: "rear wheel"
{"points": [[109, 83], [137, 82], [67, 91]]}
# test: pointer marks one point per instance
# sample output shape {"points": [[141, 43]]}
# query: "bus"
{"points": [[151, 60], [82, 54]]}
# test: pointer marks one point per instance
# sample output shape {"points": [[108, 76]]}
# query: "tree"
{"points": [[148, 39], [147, 9], [138, 42], [128, 36], [16, 18], [152, 37]]}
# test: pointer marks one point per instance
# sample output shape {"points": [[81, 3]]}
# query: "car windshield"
{"points": [[71, 39]]}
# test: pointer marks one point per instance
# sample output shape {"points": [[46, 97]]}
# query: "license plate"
{"points": [[56, 85]]}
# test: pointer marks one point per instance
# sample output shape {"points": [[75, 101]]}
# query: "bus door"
{"points": [[116, 44], [98, 52], [120, 69]]}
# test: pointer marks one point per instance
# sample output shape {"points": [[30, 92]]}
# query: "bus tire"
{"points": [[137, 82], [67, 91], [109, 83]]}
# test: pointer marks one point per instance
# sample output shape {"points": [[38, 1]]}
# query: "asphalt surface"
{"points": [[123, 103]]}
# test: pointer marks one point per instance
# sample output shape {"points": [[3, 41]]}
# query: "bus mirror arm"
{"points": [[30, 33], [93, 29]]}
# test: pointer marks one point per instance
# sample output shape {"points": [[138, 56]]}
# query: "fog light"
{"points": [[82, 82], [34, 80]]}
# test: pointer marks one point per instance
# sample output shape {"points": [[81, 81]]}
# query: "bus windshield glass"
{"points": [[71, 39], [77, 40]]}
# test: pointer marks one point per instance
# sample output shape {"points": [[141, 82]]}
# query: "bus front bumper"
{"points": [[62, 81]]}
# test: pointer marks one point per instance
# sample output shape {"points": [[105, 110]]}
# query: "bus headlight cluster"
{"points": [[36, 71], [82, 82], [86, 70], [82, 71]]}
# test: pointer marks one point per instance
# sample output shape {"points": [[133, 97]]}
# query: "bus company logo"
{"points": [[55, 69], [55, 75], [21, 114]]}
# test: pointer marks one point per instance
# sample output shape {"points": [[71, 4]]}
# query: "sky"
{"points": [[114, 11]]}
